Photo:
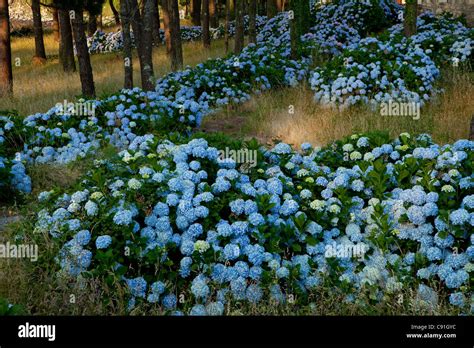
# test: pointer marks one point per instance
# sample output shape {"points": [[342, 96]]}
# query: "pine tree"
{"points": [[253, 21], [66, 46], [115, 12], [72, 12], [411, 12], [127, 43], [196, 12], [227, 25], [92, 24], [175, 33], [40, 52], [271, 8], [280, 5], [166, 26], [6, 76], [55, 24], [239, 26], [156, 23], [214, 16], [300, 22], [83, 57], [206, 35], [142, 25]]}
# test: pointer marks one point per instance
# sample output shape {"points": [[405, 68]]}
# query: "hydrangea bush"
{"points": [[174, 220], [12, 170], [444, 38], [375, 71], [389, 67]]}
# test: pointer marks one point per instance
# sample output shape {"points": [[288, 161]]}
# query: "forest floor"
{"points": [[37, 88]]}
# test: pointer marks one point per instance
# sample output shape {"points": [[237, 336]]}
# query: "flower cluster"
{"points": [[391, 67], [363, 214], [444, 38], [374, 71], [343, 23], [12, 170]]}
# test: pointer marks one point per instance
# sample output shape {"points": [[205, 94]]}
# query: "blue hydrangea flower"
{"points": [[254, 293], [198, 310], [82, 237], [123, 217], [169, 301], [137, 287], [457, 299], [231, 252], [103, 242], [459, 217]]}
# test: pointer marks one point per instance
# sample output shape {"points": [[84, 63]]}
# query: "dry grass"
{"points": [[269, 116], [38, 88]]}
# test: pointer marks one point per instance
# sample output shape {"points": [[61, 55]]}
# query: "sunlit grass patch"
{"points": [[292, 116]]}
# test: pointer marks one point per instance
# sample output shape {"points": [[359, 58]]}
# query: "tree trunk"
{"points": [[302, 16], [293, 30], [127, 44], [115, 12], [92, 24], [299, 24], [239, 26], [206, 35], [55, 24], [147, 42], [6, 75], [40, 52], [271, 8], [175, 32], [227, 25], [253, 21], [166, 26], [100, 22], [409, 23], [262, 7], [214, 18], [280, 5], [66, 47], [156, 23], [85, 68], [142, 26], [196, 12], [232, 10]]}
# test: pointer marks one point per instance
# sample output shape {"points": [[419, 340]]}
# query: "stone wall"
{"points": [[457, 7]]}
